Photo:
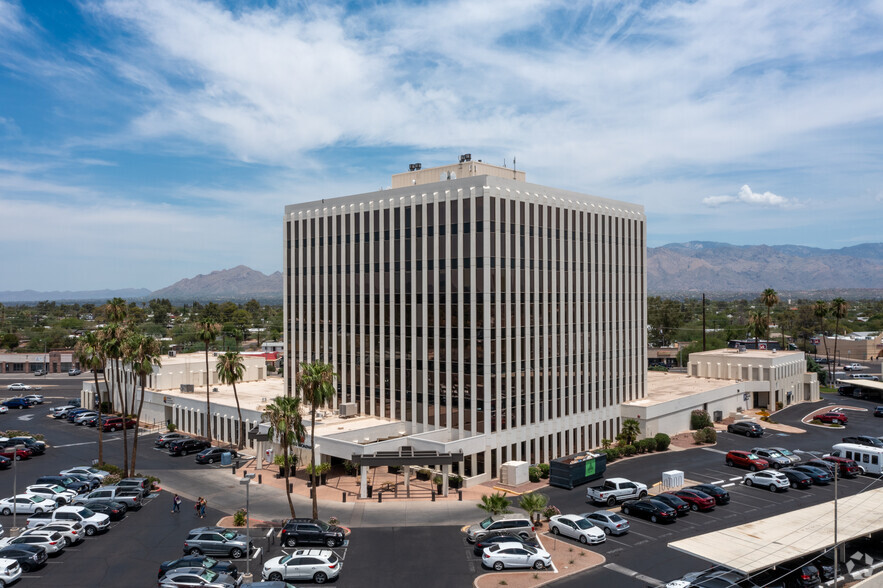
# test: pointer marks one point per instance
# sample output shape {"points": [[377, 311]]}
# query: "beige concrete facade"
{"points": [[464, 169], [852, 348]]}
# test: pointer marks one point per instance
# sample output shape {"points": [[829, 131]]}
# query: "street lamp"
{"points": [[15, 460], [246, 481]]}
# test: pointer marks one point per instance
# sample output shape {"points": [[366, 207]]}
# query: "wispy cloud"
{"points": [[748, 196]]}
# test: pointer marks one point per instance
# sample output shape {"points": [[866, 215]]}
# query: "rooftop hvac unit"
{"points": [[172, 353], [186, 388], [349, 409]]}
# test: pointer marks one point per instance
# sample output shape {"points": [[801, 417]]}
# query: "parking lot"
{"points": [[428, 556]]}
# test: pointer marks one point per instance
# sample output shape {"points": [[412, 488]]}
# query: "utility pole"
{"points": [[703, 321], [836, 548]]}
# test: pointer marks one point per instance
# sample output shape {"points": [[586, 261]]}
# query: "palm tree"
{"points": [[231, 369], [820, 310], [770, 299], [143, 353], [533, 503], [756, 326], [839, 306], [631, 428], [113, 337], [494, 504], [316, 384], [91, 357], [116, 310], [207, 331], [286, 422]]}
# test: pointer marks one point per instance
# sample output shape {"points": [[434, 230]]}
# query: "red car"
{"points": [[747, 460], [847, 467], [20, 454], [837, 418], [696, 499], [116, 424]]}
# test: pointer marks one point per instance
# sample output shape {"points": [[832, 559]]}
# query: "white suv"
{"points": [[774, 481], [10, 571], [59, 494], [318, 565]]}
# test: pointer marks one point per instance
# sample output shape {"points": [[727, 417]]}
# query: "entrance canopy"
{"points": [[769, 542], [405, 456]]}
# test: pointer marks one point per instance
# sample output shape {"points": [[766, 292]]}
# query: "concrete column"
{"points": [[260, 456], [408, 481], [363, 482], [445, 473]]}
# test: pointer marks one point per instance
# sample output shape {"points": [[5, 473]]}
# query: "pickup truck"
{"points": [[616, 490], [853, 366], [130, 497]]}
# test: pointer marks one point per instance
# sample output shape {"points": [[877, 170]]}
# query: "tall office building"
{"points": [[476, 310]]}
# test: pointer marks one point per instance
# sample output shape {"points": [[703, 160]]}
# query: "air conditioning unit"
{"points": [[349, 409], [186, 388]]}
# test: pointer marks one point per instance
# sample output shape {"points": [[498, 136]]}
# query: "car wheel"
{"points": [[653, 518], [838, 422], [498, 565], [291, 542], [330, 542], [38, 510], [211, 460], [320, 578], [555, 531], [538, 564], [694, 507], [752, 467], [611, 501], [748, 482], [17, 458], [773, 488], [607, 531], [625, 510], [26, 567], [113, 429], [583, 540], [642, 494], [196, 551], [729, 428], [794, 485], [235, 553], [275, 577], [7, 512], [730, 462], [90, 531]]}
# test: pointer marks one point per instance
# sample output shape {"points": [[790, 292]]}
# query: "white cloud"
{"points": [[747, 196]]}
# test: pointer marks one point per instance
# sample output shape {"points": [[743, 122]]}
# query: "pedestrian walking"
{"points": [[197, 506], [202, 509], [176, 503]]}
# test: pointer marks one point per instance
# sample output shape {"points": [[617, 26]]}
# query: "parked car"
{"points": [[114, 511], [819, 476], [69, 482], [86, 471], [790, 575], [164, 440], [318, 565], [864, 440], [213, 454], [515, 555], [773, 457], [10, 571], [796, 479], [682, 507], [60, 412], [878, 411], [10, 452], [195, 577], [74, 372], [747, 460], [747, 428], [847, 468], [5, 462], [787, 453], [608, 521], [653, 510], [201, 561], [823, 465], [696, 499], [615, 490], [118, 424], [39, 372], [143, 485], [3, 409], [26, 503], [130, 497], [576, 527], [72, 531], [18, 403], [34, 398], [514, 524], [81, 418], [52, 541], [217, 541], [36, 447], [75, 412], [92, 521], [18, 386], [771, 480], [310, 532], [29, 557], [59, 494], [497, 537], [721, 496], [187, 446], [714, 577], [836, 418]]}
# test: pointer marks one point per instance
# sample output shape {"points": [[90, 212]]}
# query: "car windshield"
{"points": [[86, 513], [616, 518], [209, 575], [209, 562], [486, 523], [57, 488], [752, 456], [285, 559], [37, 498], [774, 453], [785, 452], [333, 558], [529, 549], [323, 525], [229, 535], [92, 470], [583, 524]]}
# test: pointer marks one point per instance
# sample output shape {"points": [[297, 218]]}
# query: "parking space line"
{"points": [[727, 485], [736, 479]]}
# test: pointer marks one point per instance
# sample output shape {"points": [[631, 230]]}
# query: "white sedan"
{"points": [[576, 527], [26, 503], [85, 471], [3, 409], [771, 479], [34, 398], [72, 531], [515, 555], [18, 386]]}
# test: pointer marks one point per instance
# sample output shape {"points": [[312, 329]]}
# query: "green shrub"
{"points": [[629, 450], [779, 405], [112, 469], [111, 480], [239, 518], [16, 433], [606, 443], [613, 453], [646, 445], [544, 470], [662, 441], [172, 427], [533, 474], [699, 419], [551, 511], [705, 435]]}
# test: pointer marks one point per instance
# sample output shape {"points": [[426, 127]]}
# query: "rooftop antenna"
{"points": [[504, 162], [514, 169]]}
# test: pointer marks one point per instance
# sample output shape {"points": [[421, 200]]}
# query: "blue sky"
{"points": [[144, 141]]}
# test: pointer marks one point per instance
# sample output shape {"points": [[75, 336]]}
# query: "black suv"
{"points": [[310, 531], [748, 429], [864, 440], [187, 446], [70, 483]]}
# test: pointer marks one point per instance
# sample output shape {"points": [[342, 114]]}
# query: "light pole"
{"points": [[15, 458], [246, 481]]}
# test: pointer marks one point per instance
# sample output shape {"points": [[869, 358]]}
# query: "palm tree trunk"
{"points": [[836, 338], [241, 441], [100, 435], [208, 406], [313, 489], [107, 387], [137, 422], [122, 396], [287, 475]]}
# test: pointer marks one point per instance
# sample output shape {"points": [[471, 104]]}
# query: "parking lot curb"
{"points": [[526, 579]]}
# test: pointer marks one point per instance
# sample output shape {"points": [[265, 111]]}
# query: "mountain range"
{"points": [[676, 270]]}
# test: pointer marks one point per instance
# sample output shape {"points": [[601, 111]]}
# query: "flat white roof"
{"points": [[768, 542], [667, 386]]}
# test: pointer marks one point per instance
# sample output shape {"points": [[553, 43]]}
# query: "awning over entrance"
{"points": [[406, 457], [765, 543]]}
